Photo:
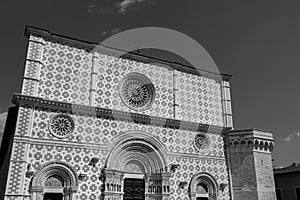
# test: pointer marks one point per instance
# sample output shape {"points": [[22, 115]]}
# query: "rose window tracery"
{"points": [[137, 91], [61, 125], [201, 142]]}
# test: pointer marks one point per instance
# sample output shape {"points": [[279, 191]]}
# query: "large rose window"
{"points": [[137, 91]]}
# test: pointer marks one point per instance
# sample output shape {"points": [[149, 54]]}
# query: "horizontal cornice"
{"points": [[91, 46], [23, 100]]}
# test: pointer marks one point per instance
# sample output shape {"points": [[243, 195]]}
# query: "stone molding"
{"points": [[24, 100], [250, 140]]}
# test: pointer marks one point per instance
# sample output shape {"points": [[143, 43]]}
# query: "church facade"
{"points": [[90, 125]]}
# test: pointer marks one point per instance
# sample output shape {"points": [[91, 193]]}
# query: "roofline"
{"points": [[89, 46], [294, 167]]}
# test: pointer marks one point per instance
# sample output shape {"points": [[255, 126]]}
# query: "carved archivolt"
{"points": [[63, 170], [208, 185], [144, 149], [140, 154]]}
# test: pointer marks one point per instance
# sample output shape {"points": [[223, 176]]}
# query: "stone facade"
{"points": [[90, 125]]}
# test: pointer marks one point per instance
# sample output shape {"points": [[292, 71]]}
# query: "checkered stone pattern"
{"points": [[16, 173], [190, 166], [34, 50], [16, 170], [65, 74], [31, 69], [18, 151], [29, 87], [199, 99], [24, 119], [76, 156], [112, 69]]}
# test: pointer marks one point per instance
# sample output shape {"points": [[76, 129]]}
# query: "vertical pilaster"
{"points": [[175, 96], [93, 79], [226, 102], [17, 182], [33, 65]]}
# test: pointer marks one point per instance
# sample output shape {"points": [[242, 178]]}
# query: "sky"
{"points": [[257, 41]]}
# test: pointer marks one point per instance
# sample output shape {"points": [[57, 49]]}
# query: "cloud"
{"points": [[125, 4], [2, 124], [291, 136], [111, 32]]}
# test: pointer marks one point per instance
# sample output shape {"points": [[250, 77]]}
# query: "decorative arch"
{"points": [[63, 172], [206, 184], [138, 147], [136, 155]]}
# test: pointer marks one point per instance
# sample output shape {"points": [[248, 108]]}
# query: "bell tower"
{"points": [[250, 162]]}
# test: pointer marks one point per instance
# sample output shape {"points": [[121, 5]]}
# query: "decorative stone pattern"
{"points": [[32, 66], [92, 130], [189, 166], [15, 178], [79, 158], [24, 121], [199, 99], [65, 73], [71, 74], [16, 168], [111, 70]]}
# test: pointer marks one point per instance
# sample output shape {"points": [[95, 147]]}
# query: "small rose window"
{"points": [[61, 125], [201, 142]]}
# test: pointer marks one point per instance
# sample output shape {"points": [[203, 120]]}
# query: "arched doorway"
{"points": [[54, 181], [203, 187], [53, 188], [136, 168], [202, 192]]}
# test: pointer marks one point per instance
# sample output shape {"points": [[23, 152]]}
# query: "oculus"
{"points": [[201, 142], [137, 91], [61, 125]]}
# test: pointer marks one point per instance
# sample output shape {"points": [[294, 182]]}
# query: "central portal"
{"points": [[134, 189]]}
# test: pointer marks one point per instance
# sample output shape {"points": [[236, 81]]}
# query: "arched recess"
{"points": [[65, 176], [203, 186], [136, 155], [138, 147]]}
